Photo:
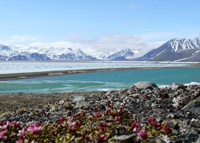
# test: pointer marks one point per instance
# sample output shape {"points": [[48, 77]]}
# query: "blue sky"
{"points": [[91, 23]]}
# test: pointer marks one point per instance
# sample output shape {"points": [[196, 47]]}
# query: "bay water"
{"points": [[101, 81]]}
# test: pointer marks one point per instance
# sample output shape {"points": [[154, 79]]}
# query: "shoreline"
{"points": [[17, 76], [142, 109]]}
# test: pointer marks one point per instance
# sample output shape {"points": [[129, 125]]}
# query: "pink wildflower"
{"points": [[96, 109], [158, 124], [38, 123], [11, 124], [143, 134], [34, 128], [73, 130], [5, 126], [167, 129], [52, 132], [103, 137], [135, 126], [61, 120], [118, 118], [78, 123], [108, 111], [2, 134], [97, 114], [83, 135], [72, 124], [17, 124], [21, 133], [151, 119], [20, 141], [91, 137], [72, 116], [102, 126]]}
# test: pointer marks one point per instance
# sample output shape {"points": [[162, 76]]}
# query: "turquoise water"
{"points": [[101, 81]]}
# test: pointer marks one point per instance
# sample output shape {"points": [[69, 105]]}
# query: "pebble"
{"points": [[171, 105]]}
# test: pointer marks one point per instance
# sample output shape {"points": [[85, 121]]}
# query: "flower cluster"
{"points": [[84, 126], [158, 128]]}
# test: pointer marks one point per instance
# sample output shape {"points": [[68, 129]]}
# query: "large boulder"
{"points": [[145, 85], [193, 104], [80, 101]]}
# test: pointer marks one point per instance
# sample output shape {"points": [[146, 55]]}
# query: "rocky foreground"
{"points": [[141, 113]]}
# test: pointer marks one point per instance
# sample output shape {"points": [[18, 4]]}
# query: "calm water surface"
{"points": [[101, 81]]}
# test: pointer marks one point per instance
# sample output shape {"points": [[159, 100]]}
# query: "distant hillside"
{"points": [[183, 50], [121, 55], [43, 54]]}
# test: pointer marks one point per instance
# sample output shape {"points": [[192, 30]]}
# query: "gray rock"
{"points": [[162, 139], [61, 102], [117, 104], [145, 85], [82, 104], [195, 110], [192, 135], [173, 94], [198, 140], [124, 138], [193, 104], [134, 95], [195, 123], [176, 86], [78, 98]]}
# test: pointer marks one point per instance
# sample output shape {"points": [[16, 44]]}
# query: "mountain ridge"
{"points": [[8, 53], [178, 50], [121, 55], [174, 50]]}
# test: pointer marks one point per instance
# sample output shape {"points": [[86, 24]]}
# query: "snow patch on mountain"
{"points": [[184, 44], [124, 54], [43, 54], [174, 50]]}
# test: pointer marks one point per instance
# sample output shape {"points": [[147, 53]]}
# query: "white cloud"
{"points": [[22, 38], [105, 44], [98, 46], [168, 35], [158, 35]]}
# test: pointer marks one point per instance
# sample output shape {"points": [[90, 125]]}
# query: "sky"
{"points": [[97, 26]]}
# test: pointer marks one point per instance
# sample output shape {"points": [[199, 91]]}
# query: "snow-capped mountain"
{"points": [[5, 50], [181, 50], [43, 54], [68, 54], [121, 55], [175, 50]]}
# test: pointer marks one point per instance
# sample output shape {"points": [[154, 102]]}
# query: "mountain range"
{"points": [[121, 55], [179, 50], [43, 54]]}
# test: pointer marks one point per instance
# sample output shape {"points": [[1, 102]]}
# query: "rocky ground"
{"points": [[141, 113], [15, 101]]}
